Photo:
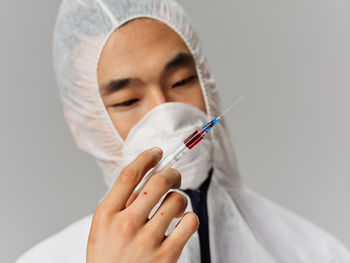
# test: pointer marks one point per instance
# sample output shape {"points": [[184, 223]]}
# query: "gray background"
{"points": [[291, 133]]}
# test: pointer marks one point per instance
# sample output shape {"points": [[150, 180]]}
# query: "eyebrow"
{"points": [[115, 85], [180, 59]]}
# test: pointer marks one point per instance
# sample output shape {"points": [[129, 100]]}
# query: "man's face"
{"points": [[144, 64]]}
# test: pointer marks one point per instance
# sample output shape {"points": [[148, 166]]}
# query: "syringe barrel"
{"points": [[194, 138], [187, 145]]}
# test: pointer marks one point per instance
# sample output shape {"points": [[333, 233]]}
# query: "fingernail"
{"points": [[157, 150]]}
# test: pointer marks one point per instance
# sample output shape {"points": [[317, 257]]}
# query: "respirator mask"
{"points": [[167, 126]]}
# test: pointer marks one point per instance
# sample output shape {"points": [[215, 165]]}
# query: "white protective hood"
{"points": [[243, 226]]}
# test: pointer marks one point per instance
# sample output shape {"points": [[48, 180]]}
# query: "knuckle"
{"points": [[146, 239], [131, 218], [149, 155], [126, 225], [174, 171], [178, 198], [172, 248], [123, 229], [147, 158], [173, 245], [129, 174], [176, 175], [162, 255], [161, 181], [192, 221], [101, 217], [92, 239]]}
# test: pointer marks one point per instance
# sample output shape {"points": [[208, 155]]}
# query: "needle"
{"points": [[233, 104]]}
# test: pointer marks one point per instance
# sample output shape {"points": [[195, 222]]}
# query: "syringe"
{"points": [[186, 146]]}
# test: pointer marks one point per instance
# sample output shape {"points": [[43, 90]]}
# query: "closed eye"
{"points": [[126, 103], [185, 81]]}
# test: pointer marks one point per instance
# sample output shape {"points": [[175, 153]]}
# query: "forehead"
{"points": [[141, 39], [141, 31]]}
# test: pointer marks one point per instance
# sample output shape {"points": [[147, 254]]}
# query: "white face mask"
{"points": [[167, 126]]}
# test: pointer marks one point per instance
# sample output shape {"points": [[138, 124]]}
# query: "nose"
{"points": [[156, 97]]}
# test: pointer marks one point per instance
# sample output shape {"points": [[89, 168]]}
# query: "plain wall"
{"points": [[291, 59]]}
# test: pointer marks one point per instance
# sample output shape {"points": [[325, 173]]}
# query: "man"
{"points": [[132, 76]]}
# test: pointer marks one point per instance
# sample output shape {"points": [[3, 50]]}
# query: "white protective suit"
{"points": [[243, 226]]}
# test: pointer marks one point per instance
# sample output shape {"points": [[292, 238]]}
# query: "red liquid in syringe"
{"points": [[199, 134], [194, 138]]}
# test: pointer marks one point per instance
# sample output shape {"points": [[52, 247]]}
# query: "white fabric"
{"points": [[243, 226]]}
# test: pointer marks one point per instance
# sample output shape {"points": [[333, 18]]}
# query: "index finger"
{"points": [[129, 178]]}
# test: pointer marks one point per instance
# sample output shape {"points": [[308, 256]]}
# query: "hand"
{"points": [[121, 233]]}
